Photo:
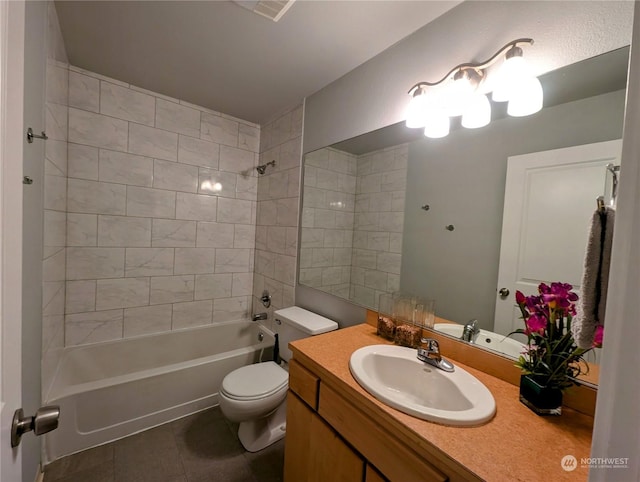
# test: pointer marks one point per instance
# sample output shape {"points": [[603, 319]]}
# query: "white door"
{"points": [[12, 26], [549, 199]]}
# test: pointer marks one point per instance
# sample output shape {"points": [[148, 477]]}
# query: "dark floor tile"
{"points": [[202, 442], [79, 462], [267, 464], [200, 419], [99, 473], [148, 456], [233, 469]]}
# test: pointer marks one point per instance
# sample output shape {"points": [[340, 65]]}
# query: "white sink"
{"points": [[485, 339], [395, 376]]}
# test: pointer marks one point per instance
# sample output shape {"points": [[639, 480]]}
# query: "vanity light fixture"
{"points": [[462, 92]]}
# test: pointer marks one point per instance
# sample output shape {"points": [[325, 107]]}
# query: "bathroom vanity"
{"points": [[337, 431]]}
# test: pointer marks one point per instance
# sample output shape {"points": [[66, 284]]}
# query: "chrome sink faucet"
{"points": [[429, 352], [470, 331]]}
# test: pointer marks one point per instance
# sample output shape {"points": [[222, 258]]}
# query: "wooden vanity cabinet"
{"points": [[330, 439]]}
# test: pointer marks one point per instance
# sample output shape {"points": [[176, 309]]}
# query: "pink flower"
{"points": [[536, 324], [598, 337], [520, 298]]}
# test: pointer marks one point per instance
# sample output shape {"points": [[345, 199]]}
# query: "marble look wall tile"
{"points": [[237, 160], [57, 84], [285, 269], [230, 309], [261, 237], [82, 162], [194, 260], [122, 293], [237, 211], [395, 242], [174, 176], [389, 262], [217, 183], [97, 130], [218, 129], [53, 298], [247, 187], [151, 142], [211, 286], [127, 104], [55, 193], [215, 235], [82, 229], [291, 242], [198, 152], [196, 207], [267, 213], [93, 327], [276, 237], [232, 261], [98, 76], [53, 264], [177, 118], [287, 212], [148, 262], [80, 296], [265, 263], [84, 92], [171, 289], [122, 231], [56, 154], [249, 138], [95, 197], [242, 284], [154, 203], [174, 234], [195, 313], [95, 263], [55, 228], [147, 319], [123, 168], [56, 121], [52, 339], [244, 236], [391, 222]]}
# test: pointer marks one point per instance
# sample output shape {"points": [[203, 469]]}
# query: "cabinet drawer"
{"points": [[304, 383], [396, 461]]}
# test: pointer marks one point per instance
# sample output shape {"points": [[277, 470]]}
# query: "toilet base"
{"points": [[256, 435]]}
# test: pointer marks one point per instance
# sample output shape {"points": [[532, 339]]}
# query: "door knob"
{"points": [[45, 420], [504, 292]]}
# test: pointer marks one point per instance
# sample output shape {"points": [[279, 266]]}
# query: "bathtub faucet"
{"points": [[259, 317]]}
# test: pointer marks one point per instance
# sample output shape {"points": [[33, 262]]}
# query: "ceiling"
{"points": [[219, 55]]}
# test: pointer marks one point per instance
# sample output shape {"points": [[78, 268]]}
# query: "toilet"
{"points": [[255, 395]]}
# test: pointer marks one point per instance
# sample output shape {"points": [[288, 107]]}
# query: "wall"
{"points": [[379, 221], [374, 94], [161, 212], [463, 179], [55, 197], [277, 218], [326, 235]]}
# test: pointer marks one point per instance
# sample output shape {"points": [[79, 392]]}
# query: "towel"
{"points": [[595, 278]]}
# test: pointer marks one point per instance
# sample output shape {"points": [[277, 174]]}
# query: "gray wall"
{"points": [[374, 94], [462, 178]]}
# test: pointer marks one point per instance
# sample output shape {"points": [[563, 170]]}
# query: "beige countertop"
{"points": [[516, 445]]}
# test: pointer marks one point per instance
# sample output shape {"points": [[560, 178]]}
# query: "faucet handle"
{"points": [[432, 345]]}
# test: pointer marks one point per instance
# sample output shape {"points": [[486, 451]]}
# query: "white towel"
{"points": [[595, 278]]}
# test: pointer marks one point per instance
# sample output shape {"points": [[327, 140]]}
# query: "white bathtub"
{"points": [[107, 391]]}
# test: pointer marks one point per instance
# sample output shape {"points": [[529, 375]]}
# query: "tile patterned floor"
{"points": [[200, 448]]}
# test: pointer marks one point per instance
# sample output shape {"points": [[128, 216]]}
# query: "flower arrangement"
{"points": [[551, 356]]}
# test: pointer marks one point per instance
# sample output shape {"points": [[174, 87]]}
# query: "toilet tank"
{"points": [[294, 323]]}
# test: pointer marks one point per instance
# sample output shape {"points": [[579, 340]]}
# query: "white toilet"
{"points": [[255, 395]]}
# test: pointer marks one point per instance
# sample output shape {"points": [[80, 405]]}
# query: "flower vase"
{"points": [[540, 398]]}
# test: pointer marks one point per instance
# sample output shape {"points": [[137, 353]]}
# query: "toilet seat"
{"points": [[254, 382]]}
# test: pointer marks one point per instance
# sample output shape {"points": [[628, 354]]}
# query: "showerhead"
{"points": [[263, 168]]}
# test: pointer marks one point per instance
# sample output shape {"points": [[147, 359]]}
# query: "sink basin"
{"points": [[485, 339], [394, 375]]}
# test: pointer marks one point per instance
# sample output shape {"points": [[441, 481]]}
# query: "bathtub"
{"points": [[107, 391]]}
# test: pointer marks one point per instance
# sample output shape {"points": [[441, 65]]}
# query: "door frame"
{"points": [[12, 32]]}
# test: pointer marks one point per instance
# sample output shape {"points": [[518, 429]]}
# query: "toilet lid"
{"points": [[255, 381]]}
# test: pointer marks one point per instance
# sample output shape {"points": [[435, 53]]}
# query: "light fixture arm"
{"points": [[474, 66]]}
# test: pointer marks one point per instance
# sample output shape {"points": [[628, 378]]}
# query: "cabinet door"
{"points": [[296, 442], [330, 457], [374, 476]]}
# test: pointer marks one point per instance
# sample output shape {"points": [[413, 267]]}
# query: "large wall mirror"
{"points": [[394, 211]]}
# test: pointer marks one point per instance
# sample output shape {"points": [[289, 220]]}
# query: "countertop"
{"points": [[516, 445]]}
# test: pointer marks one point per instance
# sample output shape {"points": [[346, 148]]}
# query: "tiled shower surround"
{"points": [[161, 212], [352, 222]]}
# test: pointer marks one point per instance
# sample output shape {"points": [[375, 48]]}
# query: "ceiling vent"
{"points": [[271, 9]]}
